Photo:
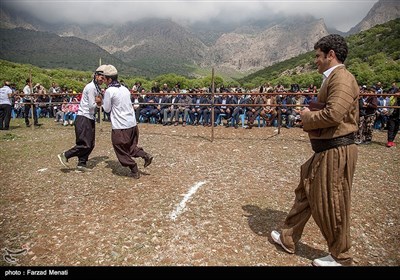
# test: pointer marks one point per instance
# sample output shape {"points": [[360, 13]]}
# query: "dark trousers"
{"points": [[5, 116], [393, 128], [27, 107], [125, 146], [85, 133], [137, 113], [236, 112], [253, 115]]}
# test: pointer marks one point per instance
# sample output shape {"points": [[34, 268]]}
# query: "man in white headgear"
{"points": [[125, 132], [85, 122]]}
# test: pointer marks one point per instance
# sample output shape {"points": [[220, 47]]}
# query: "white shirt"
{"points": [[27, 92], [223, 102], [136, 103], [87, 106], [4, 95], [326, 74], [118, 102]]}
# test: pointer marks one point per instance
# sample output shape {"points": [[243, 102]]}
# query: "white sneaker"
{"points": [[325, 261], [276, 237], [63, 159], [65, 123], [83, 168]]}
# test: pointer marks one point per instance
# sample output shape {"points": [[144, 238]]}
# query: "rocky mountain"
{"points": [[154, 46], [250, 51], [163, 46], [383, 11], [159, 46]]}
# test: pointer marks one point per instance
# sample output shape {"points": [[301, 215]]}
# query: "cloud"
{"points": [[340, 14]]}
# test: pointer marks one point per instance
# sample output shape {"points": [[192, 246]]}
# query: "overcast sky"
{"points": [[340, 14]]}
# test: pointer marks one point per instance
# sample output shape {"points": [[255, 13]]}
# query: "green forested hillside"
{"points": [[49, 50], [17, 73], [374, 55], [75, 80]]}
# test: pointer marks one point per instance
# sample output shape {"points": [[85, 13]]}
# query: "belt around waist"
{"points": [[320, 145]]}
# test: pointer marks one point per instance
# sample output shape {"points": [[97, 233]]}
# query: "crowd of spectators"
{"points": [[233, 106]]}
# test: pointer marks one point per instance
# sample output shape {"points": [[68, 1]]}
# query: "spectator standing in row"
{"points": [[394, 120], [155, 88], [5, 106], [28, 101], [367, 108], [394, 89]]}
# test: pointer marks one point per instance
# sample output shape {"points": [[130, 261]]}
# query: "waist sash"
{"points": [[320, 145]]}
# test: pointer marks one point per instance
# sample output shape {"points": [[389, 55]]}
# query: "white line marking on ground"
{"points": [[181, 206]]}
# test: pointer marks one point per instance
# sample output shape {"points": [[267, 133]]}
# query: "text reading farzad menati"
{"points": [[33, 272]]}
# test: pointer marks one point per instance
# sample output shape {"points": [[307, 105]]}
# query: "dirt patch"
{"points": [[246, 178]]}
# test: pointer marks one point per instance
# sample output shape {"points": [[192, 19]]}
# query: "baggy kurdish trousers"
{"points": [[324, 192]]}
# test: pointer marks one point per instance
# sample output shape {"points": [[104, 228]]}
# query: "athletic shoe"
{"points": [[83, 168], [325, 261], [276, 237], [390, 144], [63, 159]]}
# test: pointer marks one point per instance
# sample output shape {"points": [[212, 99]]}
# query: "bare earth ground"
{"points": [[64, 217]]}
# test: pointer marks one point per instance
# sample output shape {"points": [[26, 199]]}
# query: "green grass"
{"points": [[8, 137]]}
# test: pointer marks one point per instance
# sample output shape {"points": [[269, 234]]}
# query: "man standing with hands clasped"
{"points": [[125, 132], [324, 190]]}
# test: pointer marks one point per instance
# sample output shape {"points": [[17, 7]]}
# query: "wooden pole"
{"points": [[100, 109], [101, 118], [279, 120], [212, 105], [32, 100]]}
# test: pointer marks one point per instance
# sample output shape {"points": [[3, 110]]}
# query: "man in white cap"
{"points": [[125, 132], [85, 122]]}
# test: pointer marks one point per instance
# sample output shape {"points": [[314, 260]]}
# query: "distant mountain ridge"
{"points": [[163, 46], [154, 46], [49, 50], [383, 11], [374, 56], [248, 52]]}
